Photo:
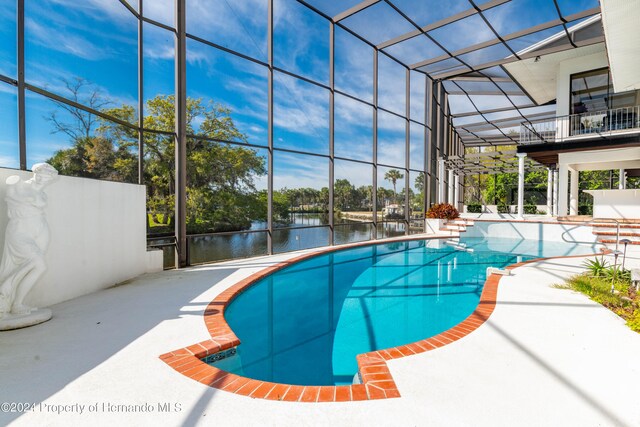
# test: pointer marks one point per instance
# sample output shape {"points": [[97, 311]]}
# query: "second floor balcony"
{"points": [[599, 124]]}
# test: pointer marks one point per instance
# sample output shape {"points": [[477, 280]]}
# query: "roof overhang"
{"points": [[547, 153], [621, 20], [537, 75]]}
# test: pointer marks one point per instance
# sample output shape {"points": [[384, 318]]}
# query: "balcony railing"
{"points": [[579, 126]]}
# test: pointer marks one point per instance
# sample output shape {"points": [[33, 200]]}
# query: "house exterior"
{"points": [[597, 119]]}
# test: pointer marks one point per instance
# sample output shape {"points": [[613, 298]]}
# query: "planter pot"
{"points": [[433, 225]]}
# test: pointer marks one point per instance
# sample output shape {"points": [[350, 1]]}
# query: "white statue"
{"points": [[25, 245]]}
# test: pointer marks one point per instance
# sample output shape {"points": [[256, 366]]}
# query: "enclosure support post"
{"points": [[441, 172], [140, 96], [407, 142], [521, 158], [21, 86], [451, 186], [374, 190], [555, 192], [456, 192], [331, 133], [270, 130], [573, 193], [549, 192], [181, 133], [563, 189]]}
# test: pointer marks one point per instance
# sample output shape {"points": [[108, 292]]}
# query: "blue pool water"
{"points": [[306, 323]]}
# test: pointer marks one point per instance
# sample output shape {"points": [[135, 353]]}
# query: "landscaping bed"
{"points": [[611, 287]]}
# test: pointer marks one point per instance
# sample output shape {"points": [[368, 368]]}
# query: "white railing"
{"points": [[600, 123]]}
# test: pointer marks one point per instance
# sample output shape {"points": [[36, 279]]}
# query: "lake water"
{"points": [[292, 238]]}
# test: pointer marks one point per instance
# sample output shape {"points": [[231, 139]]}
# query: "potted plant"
{"points": [[438, 214]]}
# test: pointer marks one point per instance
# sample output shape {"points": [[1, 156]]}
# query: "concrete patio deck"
{"points": [[546, 356]]}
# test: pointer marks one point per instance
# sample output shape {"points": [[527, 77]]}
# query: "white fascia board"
{"points": [[621, 23]]}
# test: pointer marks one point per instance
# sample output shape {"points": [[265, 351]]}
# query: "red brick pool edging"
{"points": [[377, 382]]}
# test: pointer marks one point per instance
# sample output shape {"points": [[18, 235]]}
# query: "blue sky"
{"points": [[97, 40]]}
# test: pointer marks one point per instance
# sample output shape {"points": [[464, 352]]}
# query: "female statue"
{"points": [[26, 239]]}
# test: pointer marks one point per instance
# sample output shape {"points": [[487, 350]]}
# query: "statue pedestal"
{"points": [[10, 322]]}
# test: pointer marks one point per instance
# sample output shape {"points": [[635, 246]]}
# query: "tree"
{"points": [[343, 193], [80, 123], [417, 199], [419, 182], [221, 194], [93, 153], [393, 176]]}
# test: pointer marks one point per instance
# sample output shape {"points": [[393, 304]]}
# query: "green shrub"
{"points": [[585, 210], [474, 208], [634, 321], [597, 285], [619, 275], [596, 266], [502, 208], [598, 289], [443, 211], [530, 209]]}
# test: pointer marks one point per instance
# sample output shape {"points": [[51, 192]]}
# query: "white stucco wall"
{"points": [[98, 236], [573, 66], [616, 203], [532, 230]]}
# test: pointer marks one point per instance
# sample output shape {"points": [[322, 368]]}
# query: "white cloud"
{"points": [[102, 10], [300, 107], [91, 30], [72, 44], [391, 85], [353, 66], [9, 161], [161, 11], [8, 89], [52, 79], [240, 25], [297, 171], [358, 174]]}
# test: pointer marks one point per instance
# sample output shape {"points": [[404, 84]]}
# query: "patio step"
{"points": [[610, 226], [613, 233], [607, 231], [613, 241]]}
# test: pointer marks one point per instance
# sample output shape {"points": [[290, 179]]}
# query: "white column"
{"points": [[441, 173], [563, 189], [555, 192], [549, 191], [521, 157], [456, 191], [574, 191], [451, 186], [622, 181]]}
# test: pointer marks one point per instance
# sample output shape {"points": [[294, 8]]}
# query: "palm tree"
{"points": [[393, 176]]}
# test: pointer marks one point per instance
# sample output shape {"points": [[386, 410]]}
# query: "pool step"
{"points": [[457, 225], [461, 221], [453, 227]]}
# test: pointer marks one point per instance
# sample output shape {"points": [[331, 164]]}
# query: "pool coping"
{"points": [[377, 381]]}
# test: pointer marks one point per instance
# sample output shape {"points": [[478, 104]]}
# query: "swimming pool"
{"points": [[306, 323]]}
